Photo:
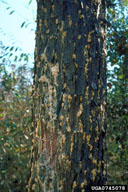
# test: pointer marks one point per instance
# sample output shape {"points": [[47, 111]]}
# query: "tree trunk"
{"points": [[69, 96]]}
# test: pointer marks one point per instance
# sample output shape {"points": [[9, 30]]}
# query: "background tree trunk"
{"points": [[69, 96]]}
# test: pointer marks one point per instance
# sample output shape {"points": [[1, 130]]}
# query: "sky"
{"points": [[11, 33]]}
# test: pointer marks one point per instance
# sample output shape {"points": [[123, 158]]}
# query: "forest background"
{"points": [[16, 73]]}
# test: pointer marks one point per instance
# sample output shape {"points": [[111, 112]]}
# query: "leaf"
{"points": [[8, 8], [6, 47], [22, 24], [1, 116], [3, 171], [26, 137], [30, 2], [7, 124], [26, 58], [125, 2], [11, 48], [11, 12], [15, 59], [121, 76]]}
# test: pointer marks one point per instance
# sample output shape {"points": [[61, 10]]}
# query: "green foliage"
{"points": [[117, 135], [117, 132], [15, 126], [30, 1], [125, 2]]}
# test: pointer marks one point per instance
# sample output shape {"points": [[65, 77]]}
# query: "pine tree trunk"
{"points": [[69, 96]]}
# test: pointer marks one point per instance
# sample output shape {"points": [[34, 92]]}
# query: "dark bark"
{"points": [[69, 96]]}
